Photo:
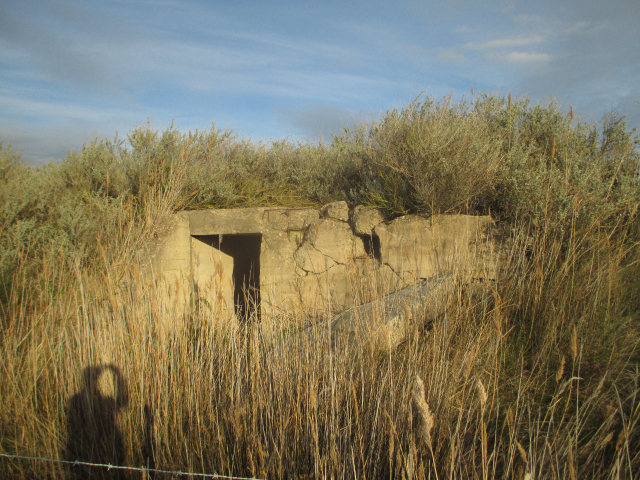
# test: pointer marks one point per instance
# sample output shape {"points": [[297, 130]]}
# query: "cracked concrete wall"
{"points": [[316, 260], [414, 248]]}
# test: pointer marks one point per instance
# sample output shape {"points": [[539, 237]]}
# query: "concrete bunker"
{"points": [[244, 250], [266, 262]]}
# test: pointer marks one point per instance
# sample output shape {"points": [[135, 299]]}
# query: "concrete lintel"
{"points": [[226, 221]]}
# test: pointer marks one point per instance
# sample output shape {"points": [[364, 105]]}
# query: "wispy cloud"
{"points": [[522, 57], [451, 55], [462, 29], [506, 43], [583, 27], [46, 111], [67, 42], [72, 67]]}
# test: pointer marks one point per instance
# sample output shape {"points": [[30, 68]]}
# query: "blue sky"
{"points": [[75, 70]]}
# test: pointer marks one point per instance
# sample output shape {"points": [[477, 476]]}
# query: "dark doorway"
{"points": [[245, 251], [372, 246]]}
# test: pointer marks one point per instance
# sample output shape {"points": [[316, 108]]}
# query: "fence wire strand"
{"points": [[136, 469]]}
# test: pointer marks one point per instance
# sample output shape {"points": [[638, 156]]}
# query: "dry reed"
{"points": [[207, 396]]}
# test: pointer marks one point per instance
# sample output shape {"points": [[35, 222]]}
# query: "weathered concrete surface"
{"points": [[336, 211], [415, 248], [384, 322], [242, 220], [365, 219], [170, 263], [388, 320], [212, 278], [315, 261]]}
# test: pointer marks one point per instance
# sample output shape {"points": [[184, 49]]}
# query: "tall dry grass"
{"points": [[533, 375], [519, 377]]}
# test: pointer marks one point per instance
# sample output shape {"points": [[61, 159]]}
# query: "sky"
{"points": [[74, 70]]}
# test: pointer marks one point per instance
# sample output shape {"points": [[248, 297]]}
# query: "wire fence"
{"points": [[135, 469]]}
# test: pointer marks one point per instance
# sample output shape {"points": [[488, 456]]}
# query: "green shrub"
{"points": [[523, 163], [441, 156]]}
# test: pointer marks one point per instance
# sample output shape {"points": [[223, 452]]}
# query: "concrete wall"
{"points": [[313, 260]]}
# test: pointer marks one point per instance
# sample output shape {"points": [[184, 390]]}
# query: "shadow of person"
{"points": [[92, 431], [147, 451]]}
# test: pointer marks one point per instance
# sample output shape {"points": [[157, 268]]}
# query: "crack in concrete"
{"points": [[326, 271], [396, 273], [326, 255], [352, 222], [305, 238]]}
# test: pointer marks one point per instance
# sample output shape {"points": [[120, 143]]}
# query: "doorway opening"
{"points": [[245, 251], [372, 247]]}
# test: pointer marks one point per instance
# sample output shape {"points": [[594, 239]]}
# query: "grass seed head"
{"points": [[482, 392], [560, 371], [426, 421]]}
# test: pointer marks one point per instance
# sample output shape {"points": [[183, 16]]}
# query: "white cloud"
{"points": [[582, 27], [522, 57], [462, 29], [65, 42], [55, 110], [78, 67], [508, 5], [506, 42], [273, 67]]}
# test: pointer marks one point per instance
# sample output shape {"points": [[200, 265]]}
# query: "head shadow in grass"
{"points": [[93, 435]]}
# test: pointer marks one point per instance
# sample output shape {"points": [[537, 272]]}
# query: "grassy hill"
{"points": [[536, 373]]}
